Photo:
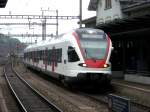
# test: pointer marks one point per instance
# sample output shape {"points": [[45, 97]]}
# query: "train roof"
{"points": [[89, 29], [43, 43], [60, 38]]}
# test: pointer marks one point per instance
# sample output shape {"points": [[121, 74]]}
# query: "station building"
{"points": [[3, 3], [128, 24]]}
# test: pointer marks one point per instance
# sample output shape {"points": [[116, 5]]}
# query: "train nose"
{"points": [[93, 77], [95, 63]]}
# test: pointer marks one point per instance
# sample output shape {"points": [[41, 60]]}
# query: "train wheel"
{"points": [[66, 84]]}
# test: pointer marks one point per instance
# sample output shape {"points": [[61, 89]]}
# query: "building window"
{"points": [[108, 4]]}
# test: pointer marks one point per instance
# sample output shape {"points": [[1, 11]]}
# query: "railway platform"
{"points": [[137, 92], [132, 84], [138, 78]]}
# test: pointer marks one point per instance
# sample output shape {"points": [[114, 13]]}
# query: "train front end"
{"points": [[95, 47]]}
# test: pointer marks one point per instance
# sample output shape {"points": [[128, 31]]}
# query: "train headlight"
{"points": [[106, 65], [83, 65]]}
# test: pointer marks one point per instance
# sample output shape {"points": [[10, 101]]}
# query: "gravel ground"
{"points": [[65, 99]]}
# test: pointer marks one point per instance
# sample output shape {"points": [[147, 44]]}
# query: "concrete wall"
{"points": [[137, 79], [105, 15], [118, 74]]}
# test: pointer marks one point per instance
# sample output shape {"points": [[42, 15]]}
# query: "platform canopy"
{"points": [[124, 4], [3, 3], [127, 25], [93, 5]]}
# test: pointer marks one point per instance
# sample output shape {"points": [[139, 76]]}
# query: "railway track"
{"points": [[102, 98], [28, 98]]}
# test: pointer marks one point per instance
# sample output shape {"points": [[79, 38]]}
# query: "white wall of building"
{"points": [[106, 15]]}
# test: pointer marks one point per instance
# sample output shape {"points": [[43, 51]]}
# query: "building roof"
{"points": [[93, 5], [126, 25], [135, 6], [3, 3], [125, 4], [89, 20], [130, 24]]}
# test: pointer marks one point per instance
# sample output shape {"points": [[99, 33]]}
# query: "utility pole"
{"points": [[44, 25], [80, 15], [56, 22], [44, 29]]}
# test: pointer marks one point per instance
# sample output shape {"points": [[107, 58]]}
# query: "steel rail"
{"points": [[14, 93], [38, 93], [53, 107]]}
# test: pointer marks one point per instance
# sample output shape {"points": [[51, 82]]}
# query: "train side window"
{"points": [[43, 55], [40, 54], [72, 55], [55, 57], [49, 57], [59, 55]]}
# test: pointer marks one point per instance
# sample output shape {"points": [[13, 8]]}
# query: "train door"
{"points": [[46, 58], [73, 59], [54, 61], [64, 59]]}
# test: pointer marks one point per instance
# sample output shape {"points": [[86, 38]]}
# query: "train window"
{"points": [[55, 56], [24, 56], [49, 57], [45, 57], [72, 55], [59, 55], [39, 55], [32, 55]]}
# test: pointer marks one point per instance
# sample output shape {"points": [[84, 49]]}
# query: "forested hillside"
{"points": [[9, 45]]}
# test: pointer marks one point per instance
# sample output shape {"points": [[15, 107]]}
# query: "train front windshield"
{"points": [[93, 43]]}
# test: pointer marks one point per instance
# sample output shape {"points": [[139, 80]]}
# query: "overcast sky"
{"points": [[65, 7]]}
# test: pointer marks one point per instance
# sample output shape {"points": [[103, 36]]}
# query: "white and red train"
{"points": [[80, 55]]}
